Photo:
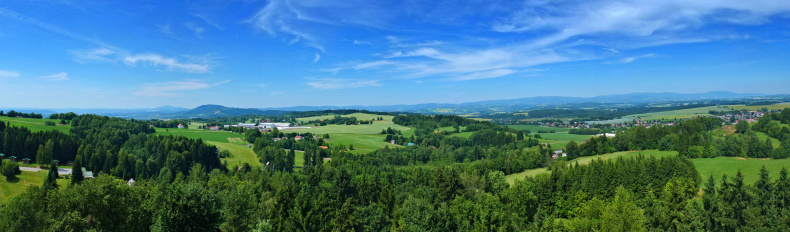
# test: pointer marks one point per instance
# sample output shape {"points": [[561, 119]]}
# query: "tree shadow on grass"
{"points": [[12, 180]]}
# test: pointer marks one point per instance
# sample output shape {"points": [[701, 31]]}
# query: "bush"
{"points": [[224, 154], [49, 123], [9, 169]]}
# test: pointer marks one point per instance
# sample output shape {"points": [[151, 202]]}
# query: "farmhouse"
{"points": [[180, 126], [606, 134], [87, 174]]}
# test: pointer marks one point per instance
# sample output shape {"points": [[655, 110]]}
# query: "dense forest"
{"points": [[122, 148], [441, 183]]}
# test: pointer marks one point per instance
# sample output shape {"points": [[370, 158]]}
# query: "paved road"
{"points": [[61, 171]]}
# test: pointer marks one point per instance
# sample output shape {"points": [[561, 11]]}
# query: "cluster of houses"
{"points": [[749, 116], [297, 138], [558, 154]]}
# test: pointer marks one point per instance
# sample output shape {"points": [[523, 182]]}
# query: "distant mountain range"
{"points": [[481, 107], [536, 102]]}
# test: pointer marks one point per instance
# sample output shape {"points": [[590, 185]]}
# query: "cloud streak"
{"points": [[326, 83], [9, 74], [171, 89], [61, 76], [634, 58], [169, 63]]}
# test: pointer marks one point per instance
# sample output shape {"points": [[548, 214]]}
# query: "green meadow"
{"points": [[678, 114], [364, 137], [35, 124], [750, 168], [777, 106], [9, 189], [558, 139]]}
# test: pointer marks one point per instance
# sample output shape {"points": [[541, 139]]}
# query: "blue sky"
{"points": [[139, 54]]}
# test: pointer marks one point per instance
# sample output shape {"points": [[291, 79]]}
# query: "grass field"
{"points": [[206, 135], [679, 114], [762, 136], [666, 115], [586, 160], [36, 124], [750, 168], [359, 116], [363, 143], [17, 186], [364, 137], [558, 139], [777, 106]]}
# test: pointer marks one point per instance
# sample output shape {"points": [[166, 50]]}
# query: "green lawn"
{"points": [[36, 124], [750, 168], [586, 160], [9, 189]]}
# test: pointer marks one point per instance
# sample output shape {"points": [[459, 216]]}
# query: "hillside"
{"points": [[216, 111]]}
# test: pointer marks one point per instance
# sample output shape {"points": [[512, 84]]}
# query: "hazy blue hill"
{"points": [[215, 111]]}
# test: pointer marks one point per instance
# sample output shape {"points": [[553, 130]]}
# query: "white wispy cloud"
{"points": [[164, 29], [629, 19], [361, 42], [484, 75], [209, 21], [171, 89], [9, 74], [634, 58], [428, 43], [61, 76], [193, 64], [49, 27], [198, 31], [170, 63], [91, 55], [106, 52], [327, 83], [317, 58]]}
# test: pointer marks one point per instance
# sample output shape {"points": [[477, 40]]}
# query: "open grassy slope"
{"points": [[777, 106], [750, 168], [206, 135], [364, 137], [9, 189], [679, 114], [36, 124]]}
